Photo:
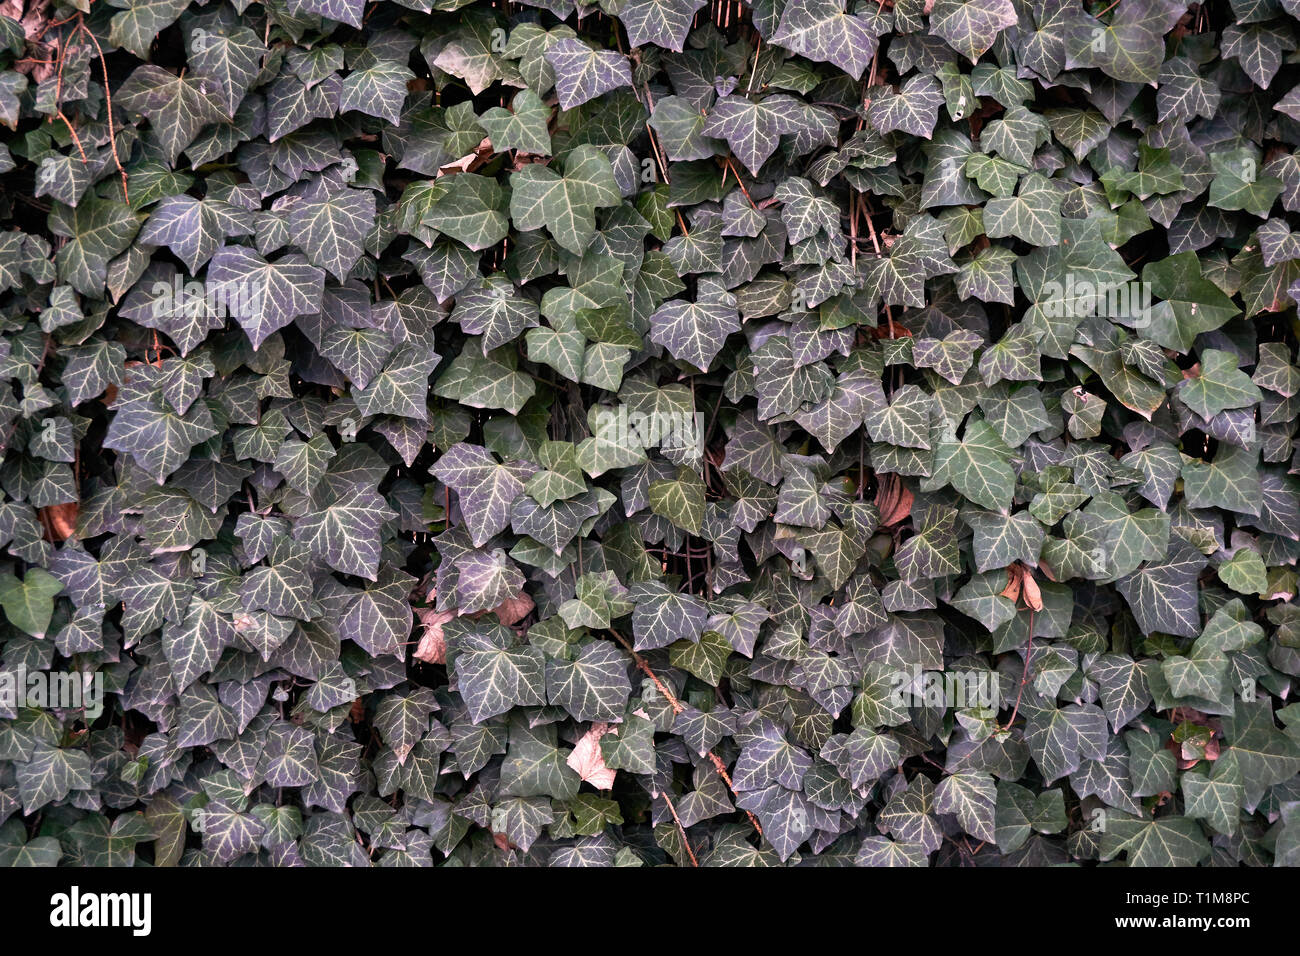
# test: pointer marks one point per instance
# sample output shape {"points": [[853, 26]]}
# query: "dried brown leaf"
{"points": [[894, 500], [1029, 589], [587, 761], [432, 648], [60, 520], [515, 609]]}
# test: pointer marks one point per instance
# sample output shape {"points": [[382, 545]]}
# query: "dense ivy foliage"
{"points": [[649, 432]]}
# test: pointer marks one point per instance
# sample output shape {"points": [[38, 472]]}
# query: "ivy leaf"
{"points": [[565, 204], [1162, 594], [194, 645], [17, 850], [950, 356], [1216, 796], [228, 833], [494, 677], [92, 368], [978, 467], [379, 618], [96, 230], [1059, 739], [232, 58], [480, 381], [919, 254], [1124, 692], [1219, 386], [264, 296], [289, 757], [29, 603], [177, 106], [884, 851], [1131, 46], [971, 797], [983, 600], [1244, 572], [486, 488], [470, 209], [331, 229], [909, 816], [705, 658], [662, 617], [753, 128], [159, 439], [680, 127], [1000, 540], [377, 88], [988, 276], [1014, 136], [522, 127], [766, 757], [282, 586], [1032, 215], [485, 580], [593, 686], [862, 756], [1238, 185], [401, 386], [971, 26], [694, 331], [50, 774], [141, 21], [854, 399], [1183, 92], [494, 311], [582, 74], [345, 11], [663, 23], [1265, 754], [472, 53], [932, 551], [1166, 841], [1258, 47], [913, 109], [347, 533], [822, 31], [1191, 303], [679, 499], [193, 229]]}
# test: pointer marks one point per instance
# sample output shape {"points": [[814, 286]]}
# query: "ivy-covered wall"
{"points": [[655, 431]]}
